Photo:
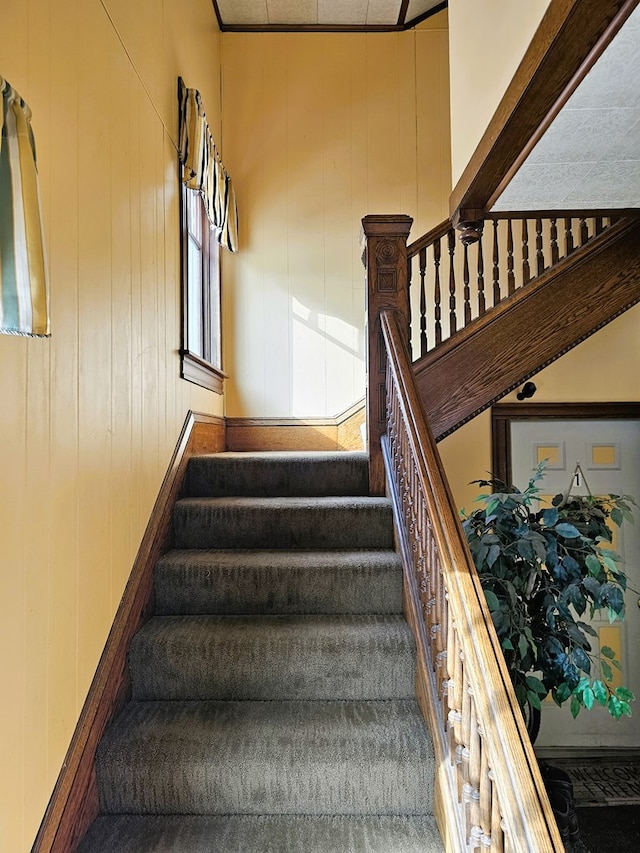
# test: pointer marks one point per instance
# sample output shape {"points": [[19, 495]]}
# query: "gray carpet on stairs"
{"points": [[278, 582], [310, 657], [273, 704], [267, 757], [264, 834]]}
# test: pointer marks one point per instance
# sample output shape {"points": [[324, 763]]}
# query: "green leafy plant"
{"points": [[542, 569]]}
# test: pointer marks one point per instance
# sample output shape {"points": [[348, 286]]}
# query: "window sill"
{"points": [[197, 370]]}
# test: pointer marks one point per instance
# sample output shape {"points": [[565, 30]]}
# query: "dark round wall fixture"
{"points": [[527, 390]]}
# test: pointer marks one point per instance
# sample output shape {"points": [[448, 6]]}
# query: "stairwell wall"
{"points": [[90, 417], [321, 129], [601, 369]]}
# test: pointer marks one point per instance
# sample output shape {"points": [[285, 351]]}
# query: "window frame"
{"points": [[205, 368]]}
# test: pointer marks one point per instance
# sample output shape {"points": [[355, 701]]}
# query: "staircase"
{"points": [[273, 691]]}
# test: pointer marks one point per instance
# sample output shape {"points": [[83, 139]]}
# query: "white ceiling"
{"points": [[590, 155], [319, 13]]}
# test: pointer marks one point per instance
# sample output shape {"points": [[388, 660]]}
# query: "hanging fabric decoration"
{"points": [[202, 168], [24, 288]]}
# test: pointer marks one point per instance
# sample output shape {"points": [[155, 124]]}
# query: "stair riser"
{"points": [[268, 584], [209, 524], [268, 758], [263, 834], [276, 476], [273, 659]]}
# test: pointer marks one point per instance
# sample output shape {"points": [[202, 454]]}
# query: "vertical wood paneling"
{"points": [[90, 417], [328, 123]]}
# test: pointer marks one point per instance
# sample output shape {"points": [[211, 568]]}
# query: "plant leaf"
{"points": [[608, 652], [575, 706], [567, 531], [600, 692], [492, 600], [588, 698]]}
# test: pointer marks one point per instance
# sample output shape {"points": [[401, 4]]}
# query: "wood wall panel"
{"points": [[320, 130], [90, 416]]}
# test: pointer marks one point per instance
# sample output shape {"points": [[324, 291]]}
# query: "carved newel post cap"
{"points": [[470, 232]]}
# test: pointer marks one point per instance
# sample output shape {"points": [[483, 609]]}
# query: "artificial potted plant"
{"points": [[542, 569]]}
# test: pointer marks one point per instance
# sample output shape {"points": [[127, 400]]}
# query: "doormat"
{"points": [[615, 829], [603, 781]]}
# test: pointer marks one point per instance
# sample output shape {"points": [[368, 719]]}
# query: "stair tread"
{"points": [[262, 834], [283, 522], [279, 473], [274, 581], [324, 757], [273, 657]]}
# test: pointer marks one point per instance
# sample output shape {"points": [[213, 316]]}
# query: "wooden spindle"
{"points": [[553, 234], [599, 225], [526, 272], [511, 280], [410, 262], [466, 290], [453, 326], [437, 294], [568, 236], [584, 231], [539, 248], [423, 303], [496, 265], [481, 300]]}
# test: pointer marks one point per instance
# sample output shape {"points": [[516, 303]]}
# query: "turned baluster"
{"points": [[511, 280], [475, 761], [526, 272], [423, 303], [466, 290], [553, 234], [437, 294], [409, 312], [496, 265], [584, 231], [568, 236], [539, 247], [452, 282], [481, 301]]}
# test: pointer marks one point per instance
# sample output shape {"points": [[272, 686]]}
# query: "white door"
{"points": [[609, 455]]}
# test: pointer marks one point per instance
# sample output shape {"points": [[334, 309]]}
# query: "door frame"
{"points": [[503, 414]]}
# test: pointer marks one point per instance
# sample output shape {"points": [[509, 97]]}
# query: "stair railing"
{"points": [[452, 282], [490, 794]]}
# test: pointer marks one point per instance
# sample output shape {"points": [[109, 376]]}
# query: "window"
{"points": [[201, 354]]}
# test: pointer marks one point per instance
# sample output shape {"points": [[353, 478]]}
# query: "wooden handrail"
{"points": [[496, 798]]}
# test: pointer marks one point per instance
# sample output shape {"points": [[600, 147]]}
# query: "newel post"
{"points": [[385, 260]]}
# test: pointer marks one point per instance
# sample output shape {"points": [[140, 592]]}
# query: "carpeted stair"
{"points": [[273, 705]]}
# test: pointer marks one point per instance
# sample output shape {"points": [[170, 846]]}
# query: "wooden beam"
{"points": [[570, 38]]}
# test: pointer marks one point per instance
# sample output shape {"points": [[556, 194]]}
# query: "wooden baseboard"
{"points": [[74, 802], [340, 433]]}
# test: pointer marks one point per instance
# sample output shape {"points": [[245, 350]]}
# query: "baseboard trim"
{"points": [[74, 801], [338, 433]]}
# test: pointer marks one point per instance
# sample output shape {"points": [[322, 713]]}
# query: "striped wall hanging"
{"points": [[24, 290], [202, 168]]}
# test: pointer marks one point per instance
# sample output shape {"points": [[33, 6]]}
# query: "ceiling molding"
{"points": [[400, 26]]}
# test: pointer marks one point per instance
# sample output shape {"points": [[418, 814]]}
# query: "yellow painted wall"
{"points": [[89, 418], [320, 130], [487, 40], [601, 369]]}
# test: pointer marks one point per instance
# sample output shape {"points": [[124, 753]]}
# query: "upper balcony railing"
{"points": [[453, 282]]}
